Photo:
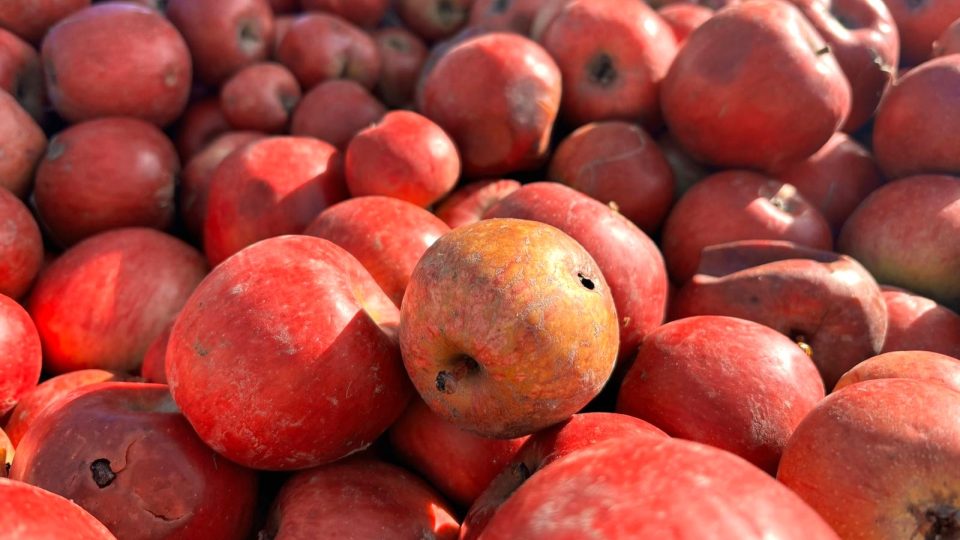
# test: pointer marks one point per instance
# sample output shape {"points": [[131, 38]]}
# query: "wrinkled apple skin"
{"points": [[334, 111], [21, 246], [21, 74], [24, 143], [319, 47], [260, 97], [878, 460], [920, 24], [507, 327], [921, 365], [31, 512], [468, 203], [915, 323], [20, 357], [403, 54], [30, 19]]}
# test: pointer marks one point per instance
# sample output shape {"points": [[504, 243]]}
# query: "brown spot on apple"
{"points": [[103, 475]]}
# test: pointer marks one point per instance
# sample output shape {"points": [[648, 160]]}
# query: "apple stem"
{"points": [[801, 341]]}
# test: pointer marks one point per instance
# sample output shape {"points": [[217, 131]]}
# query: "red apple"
{"points": [[686, 170], [267, 188], [31, 512], [106, 174], [101, 303], [467, 204], [497, 96], [755, 86], [201, 123], [335, 111], [919, 24], [878, 459], [30, 19], [20, 73], [916, 323], [366, 13], [260, 97], [921, 365], [284, 357], [284, 6], [434, 19], [109, 444], [319, 47], [20, 358], [402, 54], [21, 246], [684, 18], [149, 71], [154, 366], [506, 15], [507, 327], [949, 41], [281, 24], [23, 144]]}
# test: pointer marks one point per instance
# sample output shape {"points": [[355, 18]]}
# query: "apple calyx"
{"points": [[103, 475], [464, 366], [942, 522], [601, 70]]}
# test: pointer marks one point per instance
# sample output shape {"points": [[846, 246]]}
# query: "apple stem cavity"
{"points": [[249, 38], [940, 523], [463, 366], [103, 475], [601, 70], [801, 341]]}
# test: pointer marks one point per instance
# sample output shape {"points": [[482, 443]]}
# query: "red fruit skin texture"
{"points": [[224, 36], [268, 188], [150, 66], [358, 499], [21, 75], [677, 489], [319, 47], [30, 19], [828, 301], [727, 382], [154, 367], [684, 18], [285, 357], [582, 430], [260, 97], [510, 16], [915, 127], [738, 205], [388, 236], [459, 463], [468, 203], [21, 246], [836, 179], [50, 391], [198, 173], [920, 365], [916, 323], [284, 6], [20, 357], [363, 13], [905, 234], [749, 88], [893, 444], [106, 174], [434, 20], [24, 143], [405, 156], [108, 444], [101, 303], [335, 111], [613, 56], [619, 164], [40, 515], [497, 95], [949, 41], [403, 55], [201, 123], [638, 282], [919, 25]]}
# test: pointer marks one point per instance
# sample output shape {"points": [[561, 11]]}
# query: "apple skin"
{"points": [[285, 356], [914, 127], [613, 56], [335, 111], [755, 86], [20, 356], [268, 188], [919, 25], [738, 205], [20, 73], [131, 438], [357, 499], [878, 460], [30, 19], [50, 391], [827, 301], [364, 13], [506, 15], [388, 236], [31, 512], [468, 203], [497, 95], [582, 430], [686, 170], [433, 20], [201, 123], [664, 488], [459, 463], [949, 41], [916, 323], [24, 144], [835, 179], [620, 164], [319, 47], [154, 366], [150, 67], [920, 365], [285, 6], [224, 36], [684, 18], [638, 283], [6, 454], [106, 174], [21, 246], [260, 97], [885, 236], [101, 303], [402, 54], [405, 156], [507, 327]]}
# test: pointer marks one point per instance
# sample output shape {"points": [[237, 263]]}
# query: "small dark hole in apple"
{"points": [[586, 282], [103, 475], [500, 6], [445, 382], [449, 13], [397, 43], [601, 70]]}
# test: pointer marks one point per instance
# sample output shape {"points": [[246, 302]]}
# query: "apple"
{"points": [[898, 233], [224, 36], [920, 24], [684, 18], [755, 86], [285, 357], [267, 188], [285, 6], [149, 73], [388, 236], [101, 303], [21, 246], [23, 142], [405, 156], [31, 512], [878, 460], [319, 47], [154, 366], [260, 97], [921, 365], [434, 19], [686, 170], [20, 357], [20, 73], [620, 164], [506, 15], [467, 204], [106, 174], [6, 454], [201, 123], [613, 57], [949, 41], [507, 327], [497, 95], [107, 445], [335, 111], [365, 13], [402, 54], [30, 19], [916, 323]]}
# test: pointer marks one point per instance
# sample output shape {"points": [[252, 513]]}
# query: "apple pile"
{"points": [[480, 269]]}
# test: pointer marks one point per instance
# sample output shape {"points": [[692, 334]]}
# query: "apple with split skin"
{"points": [[915, 323], [921, 365]]}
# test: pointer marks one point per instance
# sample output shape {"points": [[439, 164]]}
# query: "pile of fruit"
{"points": [[480, 269]]}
